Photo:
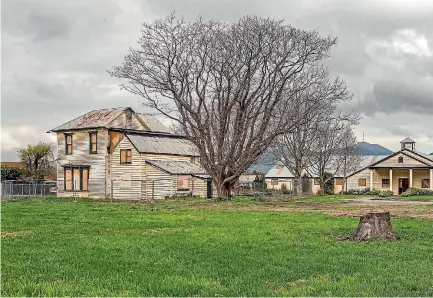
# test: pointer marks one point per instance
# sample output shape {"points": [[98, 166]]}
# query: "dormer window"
{"points": [[400, 159]]}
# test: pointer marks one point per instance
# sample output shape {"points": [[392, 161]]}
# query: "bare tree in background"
{"points": [[227, 85], [327, 158], [351, 159], [293, 149]]}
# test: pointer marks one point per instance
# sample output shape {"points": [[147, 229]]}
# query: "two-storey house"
{"points": [[118, 153]]}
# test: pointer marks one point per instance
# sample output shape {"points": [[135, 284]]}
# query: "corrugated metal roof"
{"points": [[178, 167], [402, 166], [162, 145], [96, 118], [426, 156], [279, 172], [153, 123], [102, 118]]}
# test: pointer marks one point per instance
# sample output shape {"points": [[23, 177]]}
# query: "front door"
{"points": [[403, 185], [209, 189]]}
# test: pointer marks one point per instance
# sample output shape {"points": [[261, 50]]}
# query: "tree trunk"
{"points": [[374, 225], [223, 190]]}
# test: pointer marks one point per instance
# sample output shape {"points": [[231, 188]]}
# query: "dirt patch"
{"points": [[15, 234], [354, 208]]}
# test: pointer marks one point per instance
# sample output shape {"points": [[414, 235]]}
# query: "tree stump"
{"points": [[375, 225]]}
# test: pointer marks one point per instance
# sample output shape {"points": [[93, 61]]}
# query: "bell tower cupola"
{"points": [[408, 143]]}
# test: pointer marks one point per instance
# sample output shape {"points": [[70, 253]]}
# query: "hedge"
{"points": [[417, 192]]}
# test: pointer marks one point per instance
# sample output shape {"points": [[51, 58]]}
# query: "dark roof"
{"points": [[13, 164], [103, 118], [92, 119], [146, 143], [408, 140], [179, 167]]}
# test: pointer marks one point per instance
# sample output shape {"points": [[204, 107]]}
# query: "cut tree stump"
{"points": [[374, 225]]}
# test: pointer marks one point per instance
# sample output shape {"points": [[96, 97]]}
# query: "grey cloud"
{"points": [[396, 96], [55, 55]]}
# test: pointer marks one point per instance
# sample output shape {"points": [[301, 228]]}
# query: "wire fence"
{"points": [[151, 189], [27, 188], [275, 187]]}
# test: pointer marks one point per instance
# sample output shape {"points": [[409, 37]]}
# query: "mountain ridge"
{"points": [[267, 160]]}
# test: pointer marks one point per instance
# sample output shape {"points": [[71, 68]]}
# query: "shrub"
{"points": [[365, 191], [385, 193], [11, 173], [417, 192]]}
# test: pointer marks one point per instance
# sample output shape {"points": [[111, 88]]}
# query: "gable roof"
{"points": [[178, 167], [408, 140], [366, 164], [103, 118], [92, 119], [279, 171], [153, 123], [173, 145]]}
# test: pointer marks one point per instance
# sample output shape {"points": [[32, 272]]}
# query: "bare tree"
{"points": [[351, 160], [293, 149], [329, 154], [227, 85]]}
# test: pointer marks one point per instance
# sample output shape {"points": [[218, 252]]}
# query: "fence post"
{"points": [[153, 190], [111, 190], [192, 188]]}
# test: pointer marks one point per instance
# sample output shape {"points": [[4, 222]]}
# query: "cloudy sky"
{"points": [[55, 54]]}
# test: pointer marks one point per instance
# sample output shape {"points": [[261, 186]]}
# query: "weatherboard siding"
{"points": [[81, 156], [393, 162], [158, 183], [417, 156], [126, 178], [121, 122], [288, 182], [352, 181]]}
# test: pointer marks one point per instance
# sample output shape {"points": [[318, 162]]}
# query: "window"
{"points": [[125, 155], [93, 142], [362, 182], [425, 183], [76, 178], [385, 182], [400, 159], [316, 182], [68, 143], [274, 182], [183, 182], [339, 181]]}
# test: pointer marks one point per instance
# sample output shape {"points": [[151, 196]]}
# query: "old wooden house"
{"points": [[118, 153]]}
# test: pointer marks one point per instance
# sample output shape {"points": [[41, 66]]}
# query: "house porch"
{"points": [[398, 179]]}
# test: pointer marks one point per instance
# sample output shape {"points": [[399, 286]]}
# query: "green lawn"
{"points": [[414, 198], [337, 198], [58, 247]]}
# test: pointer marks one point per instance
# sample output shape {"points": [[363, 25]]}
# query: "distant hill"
{"points": [[265, 162], [364, 148]]}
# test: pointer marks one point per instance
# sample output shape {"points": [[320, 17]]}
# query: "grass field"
{"points": [[58, 247], [414, 198]]}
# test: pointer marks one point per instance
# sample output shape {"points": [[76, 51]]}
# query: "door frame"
{"points": [[400, 190]]}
